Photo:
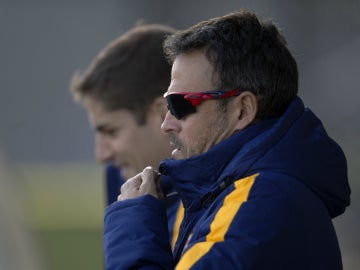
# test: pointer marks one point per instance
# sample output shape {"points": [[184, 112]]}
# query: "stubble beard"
{"points": [[213, 134]]}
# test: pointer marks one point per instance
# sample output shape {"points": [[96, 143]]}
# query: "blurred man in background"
{"points": [[122, 93]]}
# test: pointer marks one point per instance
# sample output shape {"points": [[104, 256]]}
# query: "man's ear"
{"points": [[246, 109], [159, 108]]}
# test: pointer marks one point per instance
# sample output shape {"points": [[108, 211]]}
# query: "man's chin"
{"points": [[127, 172]]}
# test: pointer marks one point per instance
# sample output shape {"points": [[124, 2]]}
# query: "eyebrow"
{"points": [[102, 127]]}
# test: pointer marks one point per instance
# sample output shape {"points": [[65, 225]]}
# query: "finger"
{"points": [[149, 175], [132, 182], [130, 189]]}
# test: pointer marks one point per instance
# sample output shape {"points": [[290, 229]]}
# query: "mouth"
{"points": [[177, 145], [176, 152]]}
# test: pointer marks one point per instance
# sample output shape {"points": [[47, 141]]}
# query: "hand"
{"points": [[146, 182]]}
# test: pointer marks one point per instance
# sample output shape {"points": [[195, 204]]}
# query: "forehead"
{"points": [[98, 115], [191, 72]]}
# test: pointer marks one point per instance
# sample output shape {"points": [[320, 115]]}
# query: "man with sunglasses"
{"points": [[259, 178], [122, 92]]}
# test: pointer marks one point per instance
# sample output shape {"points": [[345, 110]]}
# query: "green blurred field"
{"points": [[64, 208], [72, 248]]}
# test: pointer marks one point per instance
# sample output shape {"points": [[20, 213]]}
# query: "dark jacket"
{"points": [[113, 182], [262, 199]]}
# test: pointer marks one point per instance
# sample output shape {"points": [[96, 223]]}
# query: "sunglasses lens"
{"points": [[178, 106]]}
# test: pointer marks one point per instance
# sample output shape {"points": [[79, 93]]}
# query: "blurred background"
{"points": [[56, 189]]}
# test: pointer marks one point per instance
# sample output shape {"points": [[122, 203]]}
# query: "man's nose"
{"points": [[103, 151], [170, 123]]}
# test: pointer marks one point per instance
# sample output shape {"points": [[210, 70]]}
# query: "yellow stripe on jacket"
{"points": [[221, 222], [177, 223]]}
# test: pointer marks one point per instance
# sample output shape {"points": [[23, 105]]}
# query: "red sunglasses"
{"points": [[181, 104]]}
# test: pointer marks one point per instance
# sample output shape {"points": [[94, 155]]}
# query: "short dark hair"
{"points": [[129, 73], [246, 54]]}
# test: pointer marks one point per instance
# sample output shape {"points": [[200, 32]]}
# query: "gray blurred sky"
{"points": [[44, 42]]}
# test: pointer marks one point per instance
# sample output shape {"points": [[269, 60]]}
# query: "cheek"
{"points": [[126, 141], [200, 137], [190, 133]]}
